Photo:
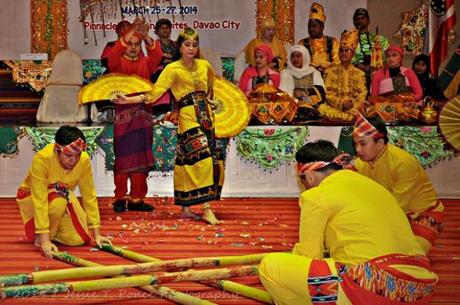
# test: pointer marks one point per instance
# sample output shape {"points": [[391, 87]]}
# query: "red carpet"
{"points": [[250, 226]]}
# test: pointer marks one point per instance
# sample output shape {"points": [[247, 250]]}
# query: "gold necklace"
{"points": [[190, 67]]}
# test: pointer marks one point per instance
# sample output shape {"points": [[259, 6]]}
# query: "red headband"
{"points": [[74, 148], [267, 50], [365, 129], [395, 48], [137, 34]]}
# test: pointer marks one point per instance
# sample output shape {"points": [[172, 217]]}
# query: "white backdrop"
{"points": [[242, 178], [14, 28], [15, 24], [224, 41], [233, 25]]}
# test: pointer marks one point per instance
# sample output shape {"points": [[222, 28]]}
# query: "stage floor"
{"points": [[250, 226]]}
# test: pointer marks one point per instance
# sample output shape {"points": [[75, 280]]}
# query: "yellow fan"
{"points": [[449, 122], [109, 86], [232, 112]]}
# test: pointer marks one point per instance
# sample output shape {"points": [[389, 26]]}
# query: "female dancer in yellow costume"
{"points": [[199, 167]]}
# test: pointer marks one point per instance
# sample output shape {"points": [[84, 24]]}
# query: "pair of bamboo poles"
{"points": [[28, 284]]}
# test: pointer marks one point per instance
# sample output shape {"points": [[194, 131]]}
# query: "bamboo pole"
{"points": [[73, 260], [243, 290], [134, 256], [127, 282], [114, 270], [215, 261], [161, 291]]}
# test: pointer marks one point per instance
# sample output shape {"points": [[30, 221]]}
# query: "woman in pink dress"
{"points": [[395, 79], [261, 73]]}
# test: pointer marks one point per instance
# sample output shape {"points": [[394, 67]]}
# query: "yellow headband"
{"points": [[317, 12], [349, 39], [189, 36], [264, 24]]}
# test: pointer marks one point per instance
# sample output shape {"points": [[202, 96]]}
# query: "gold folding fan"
{"points": [[449, 122], [232, 111], [109, 86]]}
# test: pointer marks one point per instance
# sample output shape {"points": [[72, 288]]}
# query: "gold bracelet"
{"points": [[143, 98]]}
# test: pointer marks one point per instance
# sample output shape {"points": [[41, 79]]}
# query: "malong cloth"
{"points": [[133, 139], [67, 218], [199, 166]]}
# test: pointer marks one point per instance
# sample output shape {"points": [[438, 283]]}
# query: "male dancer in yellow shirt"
{"points": [[401, 174], [374, 257], [49, 208]]}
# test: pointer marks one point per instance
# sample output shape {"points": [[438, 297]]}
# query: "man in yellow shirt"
{"points": [[401, 174], [47, 202], [374, 257], [324, 50]]}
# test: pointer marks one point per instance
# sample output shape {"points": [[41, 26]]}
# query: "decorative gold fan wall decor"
{"points": [[449, 122], [109, 86], [232, 112]]}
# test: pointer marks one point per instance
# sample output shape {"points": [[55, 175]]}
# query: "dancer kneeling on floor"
{"points": [[49, 208], [401, 174], [374, 256]]}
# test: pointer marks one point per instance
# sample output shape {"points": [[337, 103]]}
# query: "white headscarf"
{"points": [[288, 74]]}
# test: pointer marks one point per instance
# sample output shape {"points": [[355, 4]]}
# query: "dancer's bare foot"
{"points": [[208, 215], [37, 242], [186, 212]]}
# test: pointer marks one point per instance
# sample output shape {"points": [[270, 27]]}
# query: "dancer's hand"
{"points": [[138, 22], [347, 104], [123, 99], [143, 29], [48, 248], [213, 103], [100, 240], [171, 116]]}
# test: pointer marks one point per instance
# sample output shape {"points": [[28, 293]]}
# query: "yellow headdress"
{"points": [[264, 24], [189, 33], [317, 12], [349, 39]]}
